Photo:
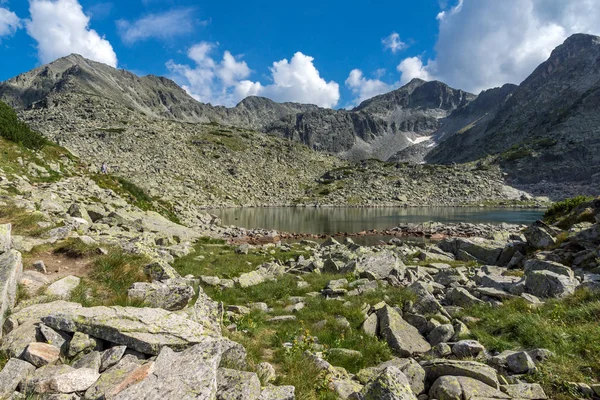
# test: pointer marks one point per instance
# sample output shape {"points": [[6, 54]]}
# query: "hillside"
{"points": [[544, 129]]}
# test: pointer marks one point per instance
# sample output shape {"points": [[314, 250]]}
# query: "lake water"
{"points": [[329, 221]]}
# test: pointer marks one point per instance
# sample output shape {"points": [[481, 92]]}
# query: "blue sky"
{"points": [[332, 53]]}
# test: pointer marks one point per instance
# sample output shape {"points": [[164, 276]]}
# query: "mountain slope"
{"points": [[377, 128], [548, 127]]}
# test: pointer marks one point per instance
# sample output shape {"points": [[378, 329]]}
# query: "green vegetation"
{"points": [[112, 130], [515, 153], [317, 327], [569, 328], [109, 278], [17, 131], [135, 195], [214, 257], [561, 208], [3, 359], [24, 223]]}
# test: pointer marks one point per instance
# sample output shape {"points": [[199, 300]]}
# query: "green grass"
{"points": [[562, 208], [570, 328], [109, 279], [135, 195], [3, 359], [24, 223], [222, 260], [17, 131]]}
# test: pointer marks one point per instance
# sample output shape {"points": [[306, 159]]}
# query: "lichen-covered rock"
{"points": [[78, 380], [111, 357], [171, 294], [266, 373], [520, 363], [160, 271], [11, 268], [379, 265], [5, 238], [91, 360], [207, 313], [39, 381], [146, 330], [409, 367], [278, 393], [463, 388], [525, 391], [64, 287], [461, 297], [543, 265], [471, 369], [190, 374], [237, 385], [441, 334], [467, 349], [81, 343], [12, 375], [404, 339], [391, 384]]}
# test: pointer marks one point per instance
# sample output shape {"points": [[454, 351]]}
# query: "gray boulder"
{"points": [[12, 375], [146, 330], [207, 313], [63, 287], [461, 297], [441, 334], [520, 363], [111, 357], [171, 294], [81, 343], [409, 367], [467, 349], [11, 269], [5, 238], [40, 354], [545, 284], [525, 391], [542, 265], [113, 378], [391, 384], [378, 265], [404, 339], [463, 388], [278, 393], [538, 236], [470, 369], [160, 271], [191, 374], [237, 385]]}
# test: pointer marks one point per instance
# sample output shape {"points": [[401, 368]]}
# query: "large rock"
{"points": [[545, 284], [461, 297], [160, 271], [237, 385], [525, 391], [409, 367], [146, 330], [171, 295], [471, 369], [542, 265], [403, 338], [479, 249], [12, 375], [391, 384], [191, 374], [40, 354], [378, 265], [11, 268], [112, 378], [426, 303], [207, 313], [463, 388], [520, 363], [78, 380], [538, 236], [64, 287]]}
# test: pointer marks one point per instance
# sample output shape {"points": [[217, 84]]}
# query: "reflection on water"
{"points": [[333, 220]]}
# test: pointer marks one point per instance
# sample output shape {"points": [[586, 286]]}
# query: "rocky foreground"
{"points": [[414, 300]]}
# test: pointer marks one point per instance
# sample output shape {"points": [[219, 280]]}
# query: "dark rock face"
{"points": [[546, 128]]}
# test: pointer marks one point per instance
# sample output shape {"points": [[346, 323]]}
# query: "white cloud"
{"points": [[393, 43], [9, 22], [60, 28], [487, 43], [225, 82], [166, 25], [412, 68], [364, 88], [210, 81]]}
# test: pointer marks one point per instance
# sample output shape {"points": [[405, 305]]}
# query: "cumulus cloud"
{"points": [[9, 22], [411, 68], [165, 25], [363, 88], [393, 43], [60, 28], [486, 43], [225, 82]]}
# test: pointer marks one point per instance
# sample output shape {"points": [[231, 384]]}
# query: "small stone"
{"points": [[57, 339], [75, 381], [40, 266], [12, 375], [282, 318], [91, 360], [81, 343], [467, 348], [520, 363]]}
